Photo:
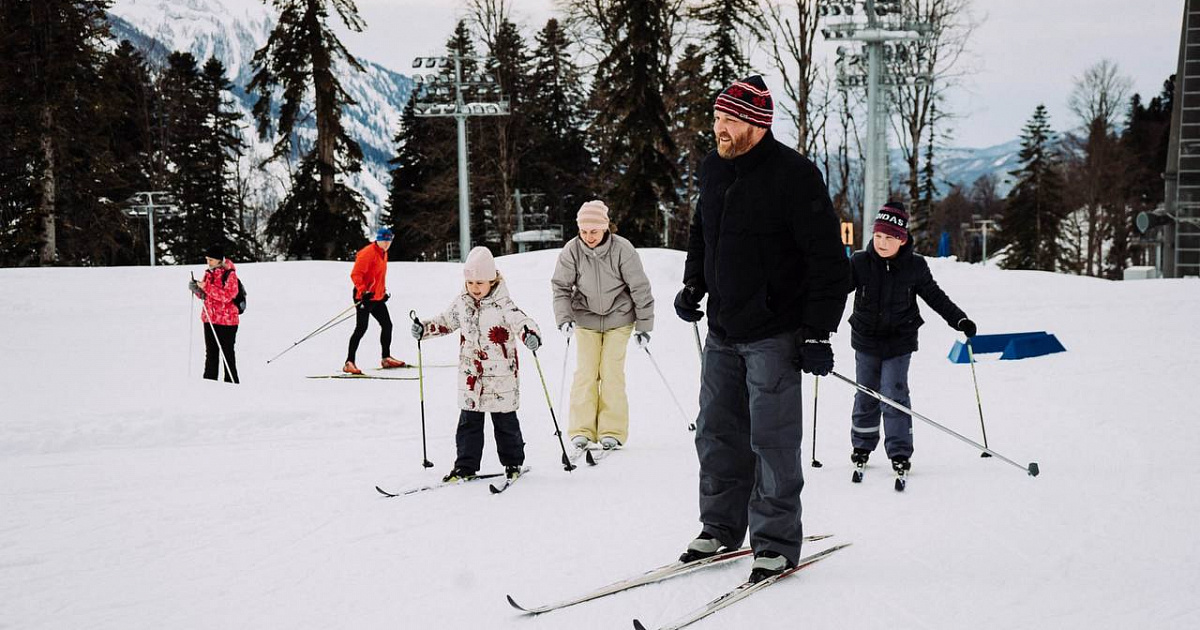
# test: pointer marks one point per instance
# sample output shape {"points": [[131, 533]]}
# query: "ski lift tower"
{"points": [[143, 204], [886, 31], [450, 94]]}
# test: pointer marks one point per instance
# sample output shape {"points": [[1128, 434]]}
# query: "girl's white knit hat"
{"points": [[480, 265], [592, 214]]}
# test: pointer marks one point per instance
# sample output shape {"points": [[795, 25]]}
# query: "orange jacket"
{"points": [[370, 273]]}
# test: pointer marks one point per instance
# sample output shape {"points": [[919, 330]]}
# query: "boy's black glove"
{"points": [[967, 327], [815, 355], [687, 304]]}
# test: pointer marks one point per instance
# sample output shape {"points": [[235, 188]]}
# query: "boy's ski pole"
{"points": [[1031, 469], [691, 425], [567, 465], [337, 319], [421, 387], [978, 401], [816, 383]]}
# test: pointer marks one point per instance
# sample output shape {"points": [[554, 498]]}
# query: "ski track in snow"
{"points": [[136, 495]]}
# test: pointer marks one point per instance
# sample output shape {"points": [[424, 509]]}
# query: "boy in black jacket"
{"points": [[887, 278]]}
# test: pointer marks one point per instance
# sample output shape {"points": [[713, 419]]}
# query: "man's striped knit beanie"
{"points": [[749, 100]]}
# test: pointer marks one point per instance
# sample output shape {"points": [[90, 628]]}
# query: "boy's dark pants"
{"points": [[889, 377], [509, 443]]}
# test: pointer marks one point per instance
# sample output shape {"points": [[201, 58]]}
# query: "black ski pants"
{"points": [[510, 446], [378, 310], [223, 340]]}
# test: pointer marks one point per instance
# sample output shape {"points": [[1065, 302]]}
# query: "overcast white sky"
{"points": [[1025, 52]]}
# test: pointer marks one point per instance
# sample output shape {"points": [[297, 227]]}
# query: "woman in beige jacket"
{"points": [[602, 295]]}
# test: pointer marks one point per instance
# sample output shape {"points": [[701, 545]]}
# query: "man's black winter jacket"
{"points": [[886, 318], [765, 245]]}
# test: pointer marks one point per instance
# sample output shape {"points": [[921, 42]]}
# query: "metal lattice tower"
{"points": [[882, 28], [1182, 194], [458, 97]]}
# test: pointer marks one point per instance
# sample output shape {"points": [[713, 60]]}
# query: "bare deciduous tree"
{"points": [[790, 29]]}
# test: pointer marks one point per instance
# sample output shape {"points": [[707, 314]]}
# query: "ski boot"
{"points": [[767, 564], [704, 546], [512, 472], [350, 368], [901, 465], [458, 474], [859, 457], [388, 363]]}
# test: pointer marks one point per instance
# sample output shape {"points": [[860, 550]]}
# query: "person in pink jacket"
{"points": [[217, 288]]}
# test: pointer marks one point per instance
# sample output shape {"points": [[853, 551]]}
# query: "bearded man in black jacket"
{"points": [[766, 249]]}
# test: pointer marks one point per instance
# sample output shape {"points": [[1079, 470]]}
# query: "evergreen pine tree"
{"points": [[221, 145], [505, 140], [54, 207], [321, 217], [690, 102], [558, 163], [637, 154], [1035, 208], [725, 23], [186, 233]]}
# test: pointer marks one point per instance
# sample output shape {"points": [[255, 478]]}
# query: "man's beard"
{"points": [[737, 146]]}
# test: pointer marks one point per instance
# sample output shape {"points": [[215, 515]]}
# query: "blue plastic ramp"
{"points": [[1011, 345]]}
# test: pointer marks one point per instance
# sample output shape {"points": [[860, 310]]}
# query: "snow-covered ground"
{"points": [[133, 494]]}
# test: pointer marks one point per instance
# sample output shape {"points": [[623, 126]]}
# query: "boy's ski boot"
{"points": [[859, 457], [901, 466], [458, 474]]}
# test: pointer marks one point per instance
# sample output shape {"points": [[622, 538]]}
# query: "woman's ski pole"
{"points": [[567, 465], [816, 383], [1031, 469], [220, 350], [562, 385], [191, 327], [691, 425], [337, 319], [978, 401], [421, 387]]}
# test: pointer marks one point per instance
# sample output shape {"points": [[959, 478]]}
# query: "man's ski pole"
{"points": [[816, 383], [421, 388], [337, 319], [699, 348], [567, 465], [978, 401], [691, 425], [1032, 469]]}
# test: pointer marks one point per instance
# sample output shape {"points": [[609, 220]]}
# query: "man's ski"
{"points": [[437, 485], [366, 376], [741, 592], [508, 481], [654, 575]]}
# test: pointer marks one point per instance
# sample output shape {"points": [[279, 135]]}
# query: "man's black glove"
{"points": [[967, 327], [815, 353], [687, 304], [365, 300]]}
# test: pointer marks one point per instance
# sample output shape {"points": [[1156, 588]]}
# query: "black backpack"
{"points": [[239, 300]]}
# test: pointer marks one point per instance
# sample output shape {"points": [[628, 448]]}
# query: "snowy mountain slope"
{"points": [[232, 30], [135, 495]]}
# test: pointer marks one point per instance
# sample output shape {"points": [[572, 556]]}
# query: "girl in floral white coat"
{"points": [[489, 326]]}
